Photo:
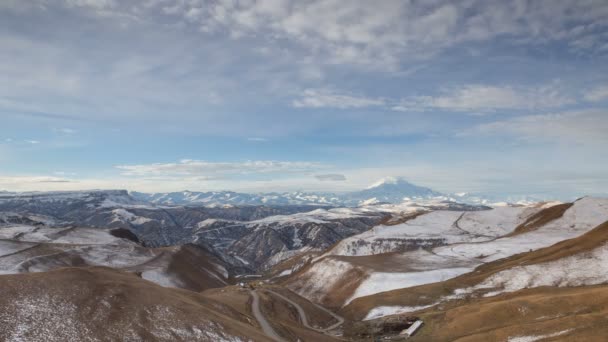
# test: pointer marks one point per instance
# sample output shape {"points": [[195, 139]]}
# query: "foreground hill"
{"points": [[538, 314], [100, 304]]}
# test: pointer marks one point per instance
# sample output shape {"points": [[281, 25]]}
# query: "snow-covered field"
{"points": [[589, 268], [10, 247], [583, 216], [446, 227]]}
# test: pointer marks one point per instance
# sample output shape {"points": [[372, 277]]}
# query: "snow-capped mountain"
{"points": [[392, 190]]}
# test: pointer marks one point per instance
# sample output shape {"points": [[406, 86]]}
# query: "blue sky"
{"points": [[157, 95]]}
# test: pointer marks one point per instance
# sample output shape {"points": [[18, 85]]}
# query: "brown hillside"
{"points": [[102, 304], [283, 317], [571, 314], [196, 268]]}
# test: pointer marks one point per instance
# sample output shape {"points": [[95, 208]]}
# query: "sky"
{"points": [[491, 96]]}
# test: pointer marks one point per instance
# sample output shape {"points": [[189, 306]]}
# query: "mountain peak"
{"points": [[393, 190], [389, 181]]}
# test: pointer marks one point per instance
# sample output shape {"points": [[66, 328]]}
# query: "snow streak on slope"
{"points": [[533, 338], [590, 268], [382, 311], [385, 281], [122, 215]]}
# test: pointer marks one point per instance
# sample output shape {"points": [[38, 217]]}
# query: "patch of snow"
{"points": [[320, 278], [384, 281], [382, 311], [241, 259], [370, 201], [284, 255], [122, 215], [222, 270], [206, 223], [284, 273], [297, 242], [161, 278], [533, 338]]}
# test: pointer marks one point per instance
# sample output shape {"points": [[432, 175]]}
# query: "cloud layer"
{"points": [[319, 94], [210, 170]]}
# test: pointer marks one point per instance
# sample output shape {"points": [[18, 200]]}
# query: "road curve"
{"points": [[302, 313], [259, 316]]}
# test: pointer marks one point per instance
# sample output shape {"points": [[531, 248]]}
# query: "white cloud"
{"points": [[380, 33], [211, 170], [33, 142], [324, 98], [257, 139], [597, 94], [472, 98], [334, 177], [478, 98], [586, 127], [96, 4], [9, 182], [65, 130]]}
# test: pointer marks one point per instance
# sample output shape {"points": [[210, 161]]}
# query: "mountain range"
{"points": [[387, 190], [111, 265]]}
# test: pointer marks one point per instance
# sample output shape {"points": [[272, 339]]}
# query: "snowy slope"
{"points": [[583, 216], [434, 229], [466, 240], [590, 268]]}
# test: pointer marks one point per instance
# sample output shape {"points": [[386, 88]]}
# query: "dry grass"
{"points": [[104, 304], [581, 313]]}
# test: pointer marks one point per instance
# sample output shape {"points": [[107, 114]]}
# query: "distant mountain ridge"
{"points": [[387, 190]]}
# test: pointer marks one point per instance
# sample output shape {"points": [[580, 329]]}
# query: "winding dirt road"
{"points": [[259, 316], [304, 318], [267, 328]]}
